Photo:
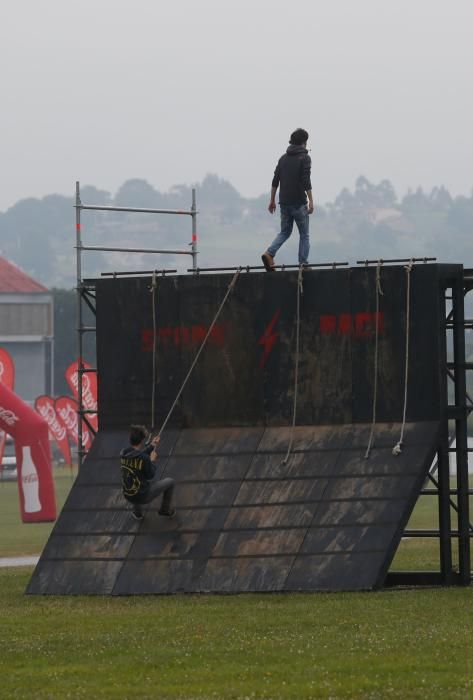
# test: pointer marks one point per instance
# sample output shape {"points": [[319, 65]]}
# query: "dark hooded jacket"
{"points": [[137, 472], [293, 175]]}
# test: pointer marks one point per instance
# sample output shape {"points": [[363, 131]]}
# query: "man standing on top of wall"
{"points": [[292, 174]]}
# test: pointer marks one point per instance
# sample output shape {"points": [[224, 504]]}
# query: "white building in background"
{"points": [[26, 330]]}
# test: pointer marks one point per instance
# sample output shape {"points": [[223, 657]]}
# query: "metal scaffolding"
{"points": [[453, 438], [86, 289]]}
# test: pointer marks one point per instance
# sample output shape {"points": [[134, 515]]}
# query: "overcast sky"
{"points": [[167, 90]]}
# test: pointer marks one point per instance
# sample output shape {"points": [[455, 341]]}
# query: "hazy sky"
{"points": [[107, 90]]}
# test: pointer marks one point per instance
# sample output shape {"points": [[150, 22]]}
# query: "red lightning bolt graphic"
{"points": [[268, 339]]}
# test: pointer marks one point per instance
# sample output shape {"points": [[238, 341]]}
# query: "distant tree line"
{"points": [[65, 337], [368, 221]]}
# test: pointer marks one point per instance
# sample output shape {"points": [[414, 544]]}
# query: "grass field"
{"points": [[390, 644], [17, 538]]}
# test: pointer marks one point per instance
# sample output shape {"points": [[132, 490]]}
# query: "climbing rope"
{"points": [[379, 292], [397, 449], [187, 377], [300, 292], [154, 292]]}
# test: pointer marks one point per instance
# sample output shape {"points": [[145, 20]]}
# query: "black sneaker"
{"points": [[137, 515], [168, 513]]}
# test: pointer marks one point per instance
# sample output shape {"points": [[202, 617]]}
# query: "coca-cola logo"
{"points": [[30, 478], [87, 393], [69, 416], [49, 414], [8, 416], [75, 379]]}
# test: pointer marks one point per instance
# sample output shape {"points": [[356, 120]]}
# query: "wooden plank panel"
{"points": [[249, 575], [154, 577], [255, 517], [335, 572], [257, 543], [176, 545], [186, 519], [206, 494], [315, 465], [207, 468], [363, 487], [307, 438], [97, 522], [88, 546], [92, 497], [253, 493], [208, 441], [100, 471], [356, 538], [368, 511], [74, 577]]}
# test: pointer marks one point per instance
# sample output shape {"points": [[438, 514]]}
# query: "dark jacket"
{"points": [[293, 175], [137, 472]]}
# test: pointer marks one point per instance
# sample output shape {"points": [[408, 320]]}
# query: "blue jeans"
{"points": [[158, 487], [289, 215]]}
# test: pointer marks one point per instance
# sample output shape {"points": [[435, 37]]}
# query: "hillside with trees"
{"points": [[369, 221]]}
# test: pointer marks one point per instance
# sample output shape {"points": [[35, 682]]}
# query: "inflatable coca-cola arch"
{"points": [[33, 454]]}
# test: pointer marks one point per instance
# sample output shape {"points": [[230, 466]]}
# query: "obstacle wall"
{"points": [[329, 519], [246, 374]]}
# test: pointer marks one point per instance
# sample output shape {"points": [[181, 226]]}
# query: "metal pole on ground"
{"points": [[461, 430], [194, 231], [80, 366], [443, 460]]}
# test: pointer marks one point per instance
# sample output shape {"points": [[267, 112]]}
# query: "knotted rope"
{"points": [[202, 346], [379, 292], [300, 292], [397, 449], [154, 293]]}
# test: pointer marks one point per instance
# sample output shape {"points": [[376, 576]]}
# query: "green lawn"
{"points": [[17, 538], [423, 554], [392, 644]]}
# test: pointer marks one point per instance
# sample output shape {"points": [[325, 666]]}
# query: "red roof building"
{"points": [[27, 330], [14, 281]]}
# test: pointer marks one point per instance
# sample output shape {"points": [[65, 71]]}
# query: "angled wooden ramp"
{"points": [[328, 520]]}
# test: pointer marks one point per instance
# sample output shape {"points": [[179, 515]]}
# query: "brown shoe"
{"points": [[268, 262]]}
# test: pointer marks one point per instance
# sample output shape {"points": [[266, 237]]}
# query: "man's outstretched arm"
{"points": [[154, 454], [272, 201], [311, 202], [274, 189], [306, 183]]}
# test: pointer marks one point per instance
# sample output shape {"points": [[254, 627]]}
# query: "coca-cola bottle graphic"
{"points": [[29, 483]]}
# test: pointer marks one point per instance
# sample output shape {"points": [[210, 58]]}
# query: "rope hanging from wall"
{"points": [[230, 288], [379, 293], [300, 292], [154, 294], [397, 449]]}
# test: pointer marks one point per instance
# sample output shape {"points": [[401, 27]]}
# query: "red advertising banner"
{"points": [[44, 405], [7, 369], [7, 376], [66, 409], [33, 457], [89, 389]]}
